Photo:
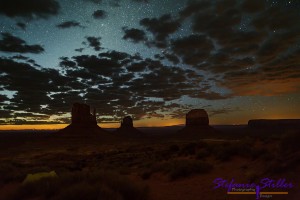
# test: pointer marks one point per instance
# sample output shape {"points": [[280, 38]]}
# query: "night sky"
{"points": [[151, 59]]}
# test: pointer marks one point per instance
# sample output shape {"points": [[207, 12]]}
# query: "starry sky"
{"points": [[151, 59]]}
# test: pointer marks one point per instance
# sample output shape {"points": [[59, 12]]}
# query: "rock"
{"points": [[127, 122], [83, 124], [127, 130], [81, 114], [197, 117], [196, 126]]}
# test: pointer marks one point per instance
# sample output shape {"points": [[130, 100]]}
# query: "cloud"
{"points": [[134, 35], [31, 85], [141, 1], [98, 65], [94, 42], [256, 60], [29, 9], [193, 7], [4, 113], [222, 111], [66, 63], [99, 14], [174, 59], [21, 25], [20, 57], [252, 6], [161, 27], [10, 43], [117, 56], [69, 24], [193, 49], [95, 1], [79, 50]]}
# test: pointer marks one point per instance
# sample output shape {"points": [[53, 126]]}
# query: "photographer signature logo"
{"points": [[268, 185]]}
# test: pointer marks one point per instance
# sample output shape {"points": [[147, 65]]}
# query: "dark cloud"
{"points": [[116, 83], [94, 42], [194, 7], [10, 43], [21, 25], [213, 112], [94, 64], [276, 79], [29, 9], [5, 113], [116, 56], [79, 50], [95, 1], [193, 49], [174, 59], [35, 88], [135, 35], [217, 24], [137, 67], [141, 1], [161, 27], [30, 122], [69, 24], [99, 14], [31, 85], [66, 63], [20, 57], [252, 6]]}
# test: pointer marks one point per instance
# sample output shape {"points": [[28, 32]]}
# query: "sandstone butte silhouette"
{"points": [[126, 128], [83, 123], [196, 124]]}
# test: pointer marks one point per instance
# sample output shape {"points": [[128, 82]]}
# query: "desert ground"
{"points": [[159, 165]]}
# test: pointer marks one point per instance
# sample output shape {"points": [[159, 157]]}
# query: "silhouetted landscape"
{"points": [[84, 161], [149, 99]]}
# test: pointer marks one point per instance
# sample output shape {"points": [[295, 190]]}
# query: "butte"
{"points": [[83, 123]]}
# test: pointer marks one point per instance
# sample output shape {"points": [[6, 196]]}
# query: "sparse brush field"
{"points": [[139, 169]]}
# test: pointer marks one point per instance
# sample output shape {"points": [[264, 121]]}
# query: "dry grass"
{"points": [[176, 169], [104, 185]]}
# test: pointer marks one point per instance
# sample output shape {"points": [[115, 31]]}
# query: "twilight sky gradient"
{"points": [[152, 59]]}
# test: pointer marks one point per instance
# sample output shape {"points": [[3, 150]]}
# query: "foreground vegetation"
{"points": [[123, 171]]}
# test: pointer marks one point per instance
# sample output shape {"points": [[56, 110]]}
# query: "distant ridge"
{"points": [[273, 123]]}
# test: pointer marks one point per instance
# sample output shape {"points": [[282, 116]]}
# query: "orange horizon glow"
{"points": [[243, 119], [140, 123]]}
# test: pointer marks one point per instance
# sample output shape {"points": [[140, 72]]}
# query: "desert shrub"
{"points": [[83, 185], [189, 149], [252, 176], [225, 151], [183, 168], [203, 153], [8, 173], [222, 152], [174, 148], [268, 156], [260, 152], [247, 141], [290, 142], [146, 174]]}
